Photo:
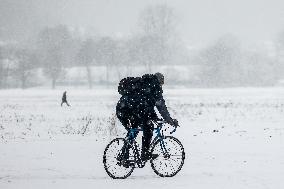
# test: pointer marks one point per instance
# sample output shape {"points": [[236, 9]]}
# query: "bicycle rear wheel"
{"points": [[170, 158], [112, 160]]}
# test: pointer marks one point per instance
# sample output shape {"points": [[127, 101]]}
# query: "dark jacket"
{"points": [[64, 98], [141, 103]]}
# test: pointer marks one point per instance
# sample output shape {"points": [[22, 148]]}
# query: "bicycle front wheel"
{"points": [[170, 158], [113, 157]]}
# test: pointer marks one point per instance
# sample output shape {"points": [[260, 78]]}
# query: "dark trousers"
{"points": [[133, 113], [65, 102], [147, 126], [147, 135]]}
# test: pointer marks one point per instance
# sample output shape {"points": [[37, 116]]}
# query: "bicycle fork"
{"points": [[164, 149], [162, 143]]}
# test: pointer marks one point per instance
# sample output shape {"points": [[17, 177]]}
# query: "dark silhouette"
{"points": [[64, 99], [136, 106]]}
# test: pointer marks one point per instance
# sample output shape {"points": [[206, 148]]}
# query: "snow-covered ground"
{"points": [[233, 138]]}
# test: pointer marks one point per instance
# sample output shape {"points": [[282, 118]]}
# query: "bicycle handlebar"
{"points": [[161, 122], [173, 130]]}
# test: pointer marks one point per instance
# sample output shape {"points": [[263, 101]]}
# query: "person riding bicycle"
{"points": [[135, 108]]}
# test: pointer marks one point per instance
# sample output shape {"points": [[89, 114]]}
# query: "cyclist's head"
{"points": [[160, 77]]}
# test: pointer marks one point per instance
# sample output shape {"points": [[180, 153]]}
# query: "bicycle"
{"points": [[169, 149]]}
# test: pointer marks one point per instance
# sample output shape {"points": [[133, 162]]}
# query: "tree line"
{"points": [[55, 49]]}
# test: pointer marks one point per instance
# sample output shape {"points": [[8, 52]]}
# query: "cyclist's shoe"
{"points": [[147, 156], [154, 156], [127, 163]]}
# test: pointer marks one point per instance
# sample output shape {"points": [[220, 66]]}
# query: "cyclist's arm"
{"points": [[163, 110]]}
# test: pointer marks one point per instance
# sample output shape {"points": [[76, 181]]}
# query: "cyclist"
{"points": [[136, 108]]}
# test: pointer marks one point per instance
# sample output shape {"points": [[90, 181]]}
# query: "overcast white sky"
{"points": [[200, 21]]}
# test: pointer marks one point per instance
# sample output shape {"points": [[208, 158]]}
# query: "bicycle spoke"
{"points": [[173, 168], [170, 157], [176, 160], [175, 156], [113, 151], [112, 161]]}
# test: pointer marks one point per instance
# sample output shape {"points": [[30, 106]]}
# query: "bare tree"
{"points": [[106, 54], [280, 54], [158, 25], [6, 65], [86, 56], [121, 57], [1, 67], [26, 62], [226, 64], [52, 44], [159, 20], [221, 62], [257, 69]]}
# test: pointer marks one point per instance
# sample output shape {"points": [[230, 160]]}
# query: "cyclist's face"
{"points": [[162, 81]]}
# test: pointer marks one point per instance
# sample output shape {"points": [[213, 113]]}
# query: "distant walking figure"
{"points": [[64, 99]]}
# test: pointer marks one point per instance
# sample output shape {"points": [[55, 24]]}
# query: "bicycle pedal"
{"points": [[154, 156], [127, 163], [141, 165]]}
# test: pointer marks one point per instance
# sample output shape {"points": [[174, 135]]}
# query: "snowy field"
{"points": [[233, 138]]}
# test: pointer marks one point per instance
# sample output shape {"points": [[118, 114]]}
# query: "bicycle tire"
{"points": [[161, 160], [116, 168]]}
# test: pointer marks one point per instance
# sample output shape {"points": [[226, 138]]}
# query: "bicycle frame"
{"points": [[122, 155], [131, 136]]}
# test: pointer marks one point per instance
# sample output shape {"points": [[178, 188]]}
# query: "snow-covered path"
{"points": [[232, 162], [246, 150]]}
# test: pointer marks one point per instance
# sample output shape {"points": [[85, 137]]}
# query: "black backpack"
{"points": [[129, 85]]}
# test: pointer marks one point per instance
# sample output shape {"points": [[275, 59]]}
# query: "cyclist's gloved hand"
{"points": [[175, 123]]}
